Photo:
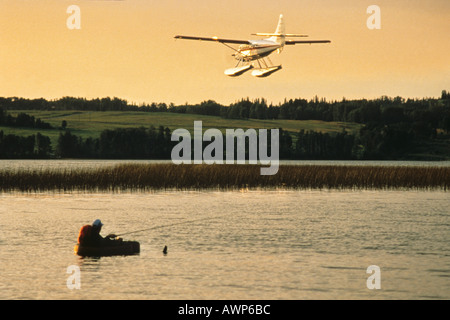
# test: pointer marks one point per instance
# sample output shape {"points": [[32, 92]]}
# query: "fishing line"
{"points": [[37, 241], [166, 225]]}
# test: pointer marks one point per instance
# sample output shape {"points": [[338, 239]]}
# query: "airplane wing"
{"points": [[292, 42], [216, 39]]}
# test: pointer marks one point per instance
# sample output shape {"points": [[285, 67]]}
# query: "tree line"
{"points": [[22, 120], [372, 143], [122, 143], [384, 110], [393, 128], [152, 143], [31, 147]]}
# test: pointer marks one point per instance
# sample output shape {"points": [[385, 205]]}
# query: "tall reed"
{"points": [[134, 177]]}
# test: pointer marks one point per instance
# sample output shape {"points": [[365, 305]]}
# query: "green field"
{"points": [[92, 123]]}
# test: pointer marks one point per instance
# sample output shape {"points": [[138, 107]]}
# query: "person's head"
{"points": [[97, 224]]}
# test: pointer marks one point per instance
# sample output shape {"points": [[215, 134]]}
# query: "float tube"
{"points": [[125, 248]]}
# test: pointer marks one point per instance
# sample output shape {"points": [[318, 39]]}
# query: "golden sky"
{"points": [[126, 49]]}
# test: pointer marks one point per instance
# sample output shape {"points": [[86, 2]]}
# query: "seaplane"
{"points": [[252, 54]]}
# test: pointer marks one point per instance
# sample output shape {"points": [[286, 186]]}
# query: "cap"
{"points": [[97, 223]]}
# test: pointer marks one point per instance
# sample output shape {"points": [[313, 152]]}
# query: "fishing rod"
{"points": [[165, 226], [122, 234]]}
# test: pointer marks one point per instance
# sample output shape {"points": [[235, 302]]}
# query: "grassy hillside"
{"points": [[91, 123]]}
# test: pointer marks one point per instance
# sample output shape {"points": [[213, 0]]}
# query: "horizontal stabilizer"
{"points": [[292, 42], [266, 34], [279, 35], [296, 35]]}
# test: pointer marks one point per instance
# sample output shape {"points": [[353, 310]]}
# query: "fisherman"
{"points": [[90, 236]]}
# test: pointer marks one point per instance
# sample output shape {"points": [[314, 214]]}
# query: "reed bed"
{"points": [[142, 177]]}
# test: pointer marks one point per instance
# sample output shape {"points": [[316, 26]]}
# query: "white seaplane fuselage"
{"points": [[256, 50]]}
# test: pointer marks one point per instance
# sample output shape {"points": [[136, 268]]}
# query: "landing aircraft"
{"points": [[257, 50]]}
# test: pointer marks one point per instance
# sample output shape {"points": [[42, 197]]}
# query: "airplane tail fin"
{"points": [[279, 34], [281, 30]]}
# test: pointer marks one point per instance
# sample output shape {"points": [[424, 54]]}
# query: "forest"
{"points": [[392, 128], [384, 110]]}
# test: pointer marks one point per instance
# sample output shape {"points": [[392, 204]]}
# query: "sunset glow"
{"points": [[126, 49]]}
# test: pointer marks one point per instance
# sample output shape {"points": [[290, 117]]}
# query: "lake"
{"points": [[284, 244]]}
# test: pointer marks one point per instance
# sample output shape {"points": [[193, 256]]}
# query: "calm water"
{"points": [[235, 245]]}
